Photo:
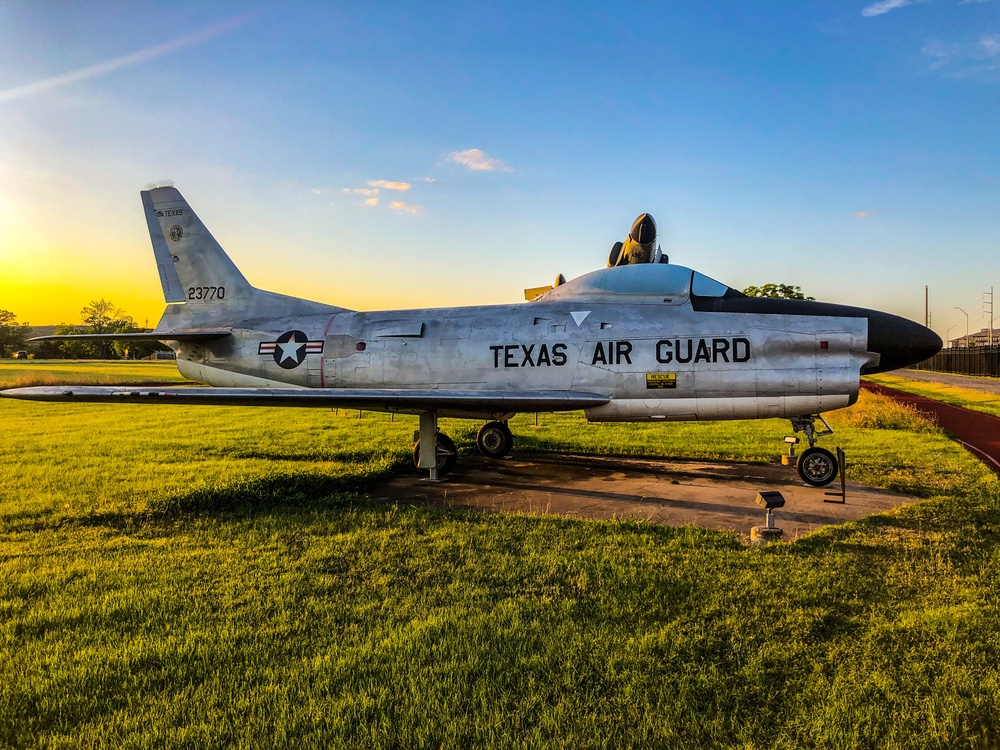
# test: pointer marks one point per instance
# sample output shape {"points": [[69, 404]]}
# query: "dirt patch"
{"points": [[712, 494]]}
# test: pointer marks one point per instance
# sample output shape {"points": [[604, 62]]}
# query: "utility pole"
{"points": [[988, 301], [966, 324], [927, 309]]}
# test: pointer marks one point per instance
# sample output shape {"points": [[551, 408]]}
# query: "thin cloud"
{"points": [[371, 202], [883, 7], [389, 185], [361, 191], [979, 59], [407, 208], [133, 58], [865, 214], [478, 161], [319, 191]]}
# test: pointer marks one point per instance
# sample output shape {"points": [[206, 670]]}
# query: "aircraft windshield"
{"points": [[662, 282], [644, 278], [706, 287]]}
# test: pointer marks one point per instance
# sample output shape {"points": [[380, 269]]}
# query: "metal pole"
{"points": [[966, 325], [927, 313]]}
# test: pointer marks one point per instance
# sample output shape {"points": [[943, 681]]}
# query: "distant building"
{"points": [[980, 338]]}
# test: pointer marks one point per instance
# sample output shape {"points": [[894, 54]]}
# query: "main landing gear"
{"points": [[817, 466], [435, 452], [495, 440]]}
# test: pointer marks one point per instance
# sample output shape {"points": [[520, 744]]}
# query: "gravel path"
{"points": [[987, 385]]}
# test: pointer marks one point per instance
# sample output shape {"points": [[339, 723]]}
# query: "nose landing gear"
{"points": [[816, 466]]}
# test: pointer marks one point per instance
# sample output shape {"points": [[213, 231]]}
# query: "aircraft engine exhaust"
{"points": [[638, 247]]}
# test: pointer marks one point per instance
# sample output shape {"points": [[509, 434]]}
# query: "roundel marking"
{"points": [[290, 349], [176, 232]]}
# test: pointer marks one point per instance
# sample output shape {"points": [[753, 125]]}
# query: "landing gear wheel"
{"points": [[495, 440], [447, 455], [817, 466]]}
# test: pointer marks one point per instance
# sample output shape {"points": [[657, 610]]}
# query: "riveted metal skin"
{"points": [[637, 342]]}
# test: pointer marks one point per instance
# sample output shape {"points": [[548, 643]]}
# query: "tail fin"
{"points": [[193, 266]]}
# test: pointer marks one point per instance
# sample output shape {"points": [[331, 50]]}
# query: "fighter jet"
{"points": [[641, 340]]}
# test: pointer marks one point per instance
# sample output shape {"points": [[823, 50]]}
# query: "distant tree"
{"points": [[780, 291], [101, 316], [67, 349], [12, 336]]}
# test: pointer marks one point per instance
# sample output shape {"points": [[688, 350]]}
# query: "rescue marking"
{"points": [[661, 380]]}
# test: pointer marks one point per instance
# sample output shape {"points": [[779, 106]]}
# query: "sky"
{"points": [[425, 154]]}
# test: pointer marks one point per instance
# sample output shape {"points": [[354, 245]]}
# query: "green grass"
{"points": [[988, 403], [24, 373], [174, 577]]}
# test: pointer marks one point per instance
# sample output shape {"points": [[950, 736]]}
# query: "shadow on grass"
{"points": [[241, 497], [359, 456]]}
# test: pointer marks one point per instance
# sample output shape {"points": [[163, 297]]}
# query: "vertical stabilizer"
{"points": [[193, 267]]}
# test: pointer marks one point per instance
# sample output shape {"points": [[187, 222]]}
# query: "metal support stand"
{"points": [[843, 480], [428, 443], [790, 458]]}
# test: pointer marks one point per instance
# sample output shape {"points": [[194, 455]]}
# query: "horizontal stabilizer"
{"points": [[395, 400], [193, 334]]}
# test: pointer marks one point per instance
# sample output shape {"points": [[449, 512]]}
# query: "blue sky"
{"points": [[850, 148]]}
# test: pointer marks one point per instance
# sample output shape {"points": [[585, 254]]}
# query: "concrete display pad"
{"points": [[712, 494]]}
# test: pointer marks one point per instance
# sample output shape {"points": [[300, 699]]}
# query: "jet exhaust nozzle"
{"points": [[638, 247]]}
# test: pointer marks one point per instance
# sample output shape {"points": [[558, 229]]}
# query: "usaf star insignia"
{"points": [[291, 348]]}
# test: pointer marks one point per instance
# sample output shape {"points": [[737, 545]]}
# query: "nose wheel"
{"points": [[495, 440], [816, 466]]}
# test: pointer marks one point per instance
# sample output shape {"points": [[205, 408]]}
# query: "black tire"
{"points": [[447, 455], [495, 440], [817, 467]]}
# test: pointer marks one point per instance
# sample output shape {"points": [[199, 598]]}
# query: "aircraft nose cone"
{"points": [[643, 229], [899, 341]]}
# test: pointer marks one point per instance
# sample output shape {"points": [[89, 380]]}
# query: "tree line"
{"points": [[98, 316]]}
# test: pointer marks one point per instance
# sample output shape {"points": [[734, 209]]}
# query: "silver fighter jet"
{"points": [[641, 340]]}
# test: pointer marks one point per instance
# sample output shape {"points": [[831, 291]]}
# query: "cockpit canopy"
{"points": [[659, 282]]}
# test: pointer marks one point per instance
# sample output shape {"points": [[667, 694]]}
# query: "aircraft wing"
{"points": [[407, 401], [193, 334]]}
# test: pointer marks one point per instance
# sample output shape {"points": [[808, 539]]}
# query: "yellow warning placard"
{"points": [[661, 379]]}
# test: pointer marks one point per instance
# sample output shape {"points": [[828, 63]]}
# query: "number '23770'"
{"points": [[206, 292]]}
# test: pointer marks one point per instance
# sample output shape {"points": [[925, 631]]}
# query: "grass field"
{"points": [[200, 577], [970, 398], [20, 373]]}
